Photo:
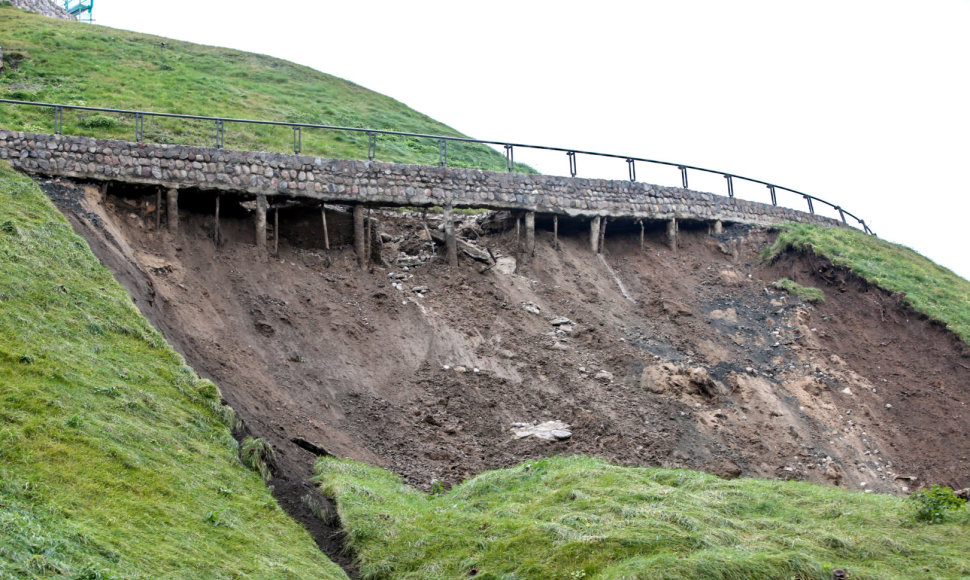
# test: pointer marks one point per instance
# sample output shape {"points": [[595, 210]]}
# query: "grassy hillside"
{"points": [[68, 62], [575, 517], [116, 460], [930, 288]]}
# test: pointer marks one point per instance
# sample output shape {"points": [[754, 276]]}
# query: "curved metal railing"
{"points": [[443, 140]]}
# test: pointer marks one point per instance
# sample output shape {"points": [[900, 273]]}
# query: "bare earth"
{"points": [[681, 358]]}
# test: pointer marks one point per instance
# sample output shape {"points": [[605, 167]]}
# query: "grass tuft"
{"points": [[806, 293], [258, 455]]}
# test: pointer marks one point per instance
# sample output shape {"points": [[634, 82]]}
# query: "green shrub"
{"points": [[932, 504], [98, 121]]}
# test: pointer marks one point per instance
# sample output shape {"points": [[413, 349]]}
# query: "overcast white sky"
{"points": [[865, 103]]}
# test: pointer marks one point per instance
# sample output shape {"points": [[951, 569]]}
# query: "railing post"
{"points": [[774, 198], [509, 158], [220, 134], [683, 175], [297, 140], [730, 183], [442, 152], [842, 215], [572, 163], [811, 209], [371, 145], [139, 127], [58, 119], [631, 169]]}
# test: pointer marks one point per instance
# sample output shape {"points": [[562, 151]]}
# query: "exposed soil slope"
{"points": [[705, 365]]}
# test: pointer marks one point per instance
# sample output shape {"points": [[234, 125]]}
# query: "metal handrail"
{"points": [[442, 141]]}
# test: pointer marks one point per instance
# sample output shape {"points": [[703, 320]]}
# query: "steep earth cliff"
{"points": [[652, 356]]}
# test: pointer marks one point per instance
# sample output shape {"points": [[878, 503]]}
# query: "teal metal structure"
{"points": [[78, 8]]}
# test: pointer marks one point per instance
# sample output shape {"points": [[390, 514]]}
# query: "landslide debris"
{"points": [[686, 358]]}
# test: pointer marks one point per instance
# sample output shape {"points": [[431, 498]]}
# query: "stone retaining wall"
{"points": [[45, 7], [371, 182]]}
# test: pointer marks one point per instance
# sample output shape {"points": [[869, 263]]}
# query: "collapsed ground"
{"points": [[685, 357]]}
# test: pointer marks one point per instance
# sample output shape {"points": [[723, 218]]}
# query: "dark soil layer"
{"points": [[681, 358]]}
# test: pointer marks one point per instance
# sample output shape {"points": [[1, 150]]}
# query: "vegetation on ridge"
{"points": [[116, 459], [74, 63], [929, 287], [576, 517]]}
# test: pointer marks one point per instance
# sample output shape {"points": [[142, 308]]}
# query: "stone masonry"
{"points": [[285, 176], [45, 7]]}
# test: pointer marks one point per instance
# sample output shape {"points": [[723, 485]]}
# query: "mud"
{"points": [[683, 358]]}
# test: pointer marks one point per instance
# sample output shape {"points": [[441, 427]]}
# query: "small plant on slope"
{"points": [[806, 293], [933, 504]]}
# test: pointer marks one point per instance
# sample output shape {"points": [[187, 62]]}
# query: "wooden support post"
{"points": [[594, 234], [261, 225], [427, 232], [326, 235], [451, 244], [172, 206], [369, 233], [718, 227], [672, 233], [530, 233], [276, 231], [641, 234], [216, 236], [518, 225], [555, 232], [603, 234], [158, 209], [359, 234]]}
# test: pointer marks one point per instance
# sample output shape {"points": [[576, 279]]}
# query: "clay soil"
{"points": [[683, 357]]}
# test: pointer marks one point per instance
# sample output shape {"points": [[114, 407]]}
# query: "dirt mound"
{"points": [[649, 356]]}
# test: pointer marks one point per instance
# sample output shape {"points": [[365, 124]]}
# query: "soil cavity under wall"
{"points": [[682, 358]]}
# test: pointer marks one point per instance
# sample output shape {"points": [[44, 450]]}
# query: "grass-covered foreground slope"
{"points": [[929, 288], [576, 517], [115, 458], [68, 62]]}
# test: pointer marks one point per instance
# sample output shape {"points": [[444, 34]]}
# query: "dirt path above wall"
{"points": [[681, 358]]}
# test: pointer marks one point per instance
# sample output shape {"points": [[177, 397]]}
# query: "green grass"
{"points": [[73, 63], [116, 459], [806, 293], [929, 288], [577, 517]]}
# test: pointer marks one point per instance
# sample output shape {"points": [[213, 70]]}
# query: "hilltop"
{"points": [[71, 63]]}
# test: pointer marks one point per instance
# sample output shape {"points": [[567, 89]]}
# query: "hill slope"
{"points": [[575, 517], [684, 359], [67, 62], [116, 460]]}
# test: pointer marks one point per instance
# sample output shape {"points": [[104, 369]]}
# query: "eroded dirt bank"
{"points": [[678, 358]]}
